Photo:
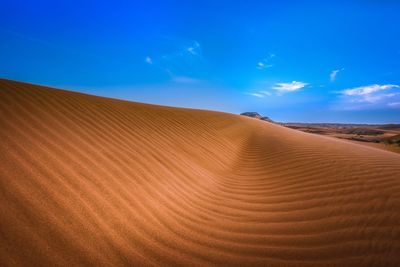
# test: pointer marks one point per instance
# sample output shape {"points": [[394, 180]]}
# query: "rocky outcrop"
{"points": [[257, 116], [266, 119], [252, 114]]}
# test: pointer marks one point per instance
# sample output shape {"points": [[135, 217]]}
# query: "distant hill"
{"points": [[266, 119], [252, 114], [257, 116]]}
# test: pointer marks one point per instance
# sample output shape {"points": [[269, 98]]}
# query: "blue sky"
{"points": [[305, 61]]}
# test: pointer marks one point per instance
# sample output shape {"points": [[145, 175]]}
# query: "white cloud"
{"points": [[194, 49], [191, 50], [334, 73], [262, 65], [394, 104], [289, 87], [374, 98], [260, 95], [278, 89], [370, 97], [265, 93], [266, 62], [149, 60], [369, 89]]}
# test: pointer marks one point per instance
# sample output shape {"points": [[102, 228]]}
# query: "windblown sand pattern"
{"points": [[91, 181]]}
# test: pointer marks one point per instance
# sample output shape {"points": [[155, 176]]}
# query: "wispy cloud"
{"points": [[370, 97], [181, 61], [266, 62], [289, 87], [194, 49], [186, 49], [45, 43], [256, 95], [368, 90], [394, 104], [334, 73], [263, 65], [27, 38], [265, 92], [278, 89], [260, 94], [375, 98], [149, 60]]}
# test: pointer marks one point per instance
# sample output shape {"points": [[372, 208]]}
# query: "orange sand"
{"points": [[91, 181]]}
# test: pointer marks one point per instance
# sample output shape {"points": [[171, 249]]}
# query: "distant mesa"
{"points": [[256, 115]]}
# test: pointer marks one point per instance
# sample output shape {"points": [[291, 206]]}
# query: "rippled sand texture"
{"points": [[91, 181]]}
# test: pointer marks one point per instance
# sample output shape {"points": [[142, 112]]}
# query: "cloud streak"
{"points": [[394, 104], [266, 62], [289, 87], [194, 49], [368, 90], [181, 60], [263, 65], [280, 89], [334, 73], [260, 95]]}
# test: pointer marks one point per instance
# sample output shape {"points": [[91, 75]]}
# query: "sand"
{"points": [[92, 181]]}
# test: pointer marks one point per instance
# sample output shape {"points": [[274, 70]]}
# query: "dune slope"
{"points": [[91, 181]]}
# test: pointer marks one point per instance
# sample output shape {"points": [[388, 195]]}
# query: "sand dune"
{"points": [[91, 181]]}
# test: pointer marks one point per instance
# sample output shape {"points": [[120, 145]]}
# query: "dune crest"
{"points": [[92, 181]]}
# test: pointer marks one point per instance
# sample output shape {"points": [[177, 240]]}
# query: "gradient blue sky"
{"points": [[305, 61]]}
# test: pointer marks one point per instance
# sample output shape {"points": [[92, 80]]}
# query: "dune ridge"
{"points": [[92, 181]]}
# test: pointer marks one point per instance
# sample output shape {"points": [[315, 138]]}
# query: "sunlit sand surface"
{"points": [[91, 181]]}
